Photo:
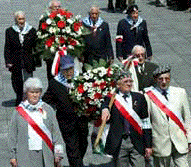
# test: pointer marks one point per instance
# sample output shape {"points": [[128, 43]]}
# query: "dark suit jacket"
{"points": [[114, 137], [57, 95], [146, 79], [14, 52], [98, 45], [130, 40]]}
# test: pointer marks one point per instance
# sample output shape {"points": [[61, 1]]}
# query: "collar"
{"points": [[161, 90], [33, 108], [130, 21], [88, 22], [25, 30], [126, 94]]}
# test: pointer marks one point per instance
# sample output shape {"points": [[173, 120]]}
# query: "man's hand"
{"points": [[105, 114], [57, 161], [13, 162], [9, 65], [189, 147], [148, 152]]}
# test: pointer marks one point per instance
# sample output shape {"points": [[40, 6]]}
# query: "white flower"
{"points": [[95, 70], [39, 33], [78, 17], [52, 49], [70, 21], [41, 17], [63, 30], [68, 30], [79, 98], [71, 47], [79, 32], [48, 21], [52, 30]]}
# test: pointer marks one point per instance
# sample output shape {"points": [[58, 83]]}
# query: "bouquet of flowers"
{"points": [[59, 29], [90, 88]]}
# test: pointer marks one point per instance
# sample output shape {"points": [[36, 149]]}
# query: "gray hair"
{"points": [[94, 6], [16, 14], [32, 83], [51, 3], [138, 47]]}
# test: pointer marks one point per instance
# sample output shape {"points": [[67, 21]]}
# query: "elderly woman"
{"points": [[74, 129], [132, 31], [34, 135]]}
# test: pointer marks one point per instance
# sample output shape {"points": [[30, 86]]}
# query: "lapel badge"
{"points": [[135, 103]]}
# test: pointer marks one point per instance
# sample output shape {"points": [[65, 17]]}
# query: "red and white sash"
{"points": [[128, 113], [164, 106], [42, 131]]}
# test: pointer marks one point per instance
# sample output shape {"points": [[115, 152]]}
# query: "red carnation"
{"points": [[68, 15], [95, 84], [52, 15], [44, 26], [109, 72], [62, 12], [77, 26], [135, 63], [61, 24], [81, 88], [52, 38], [62, 40], [102, 85], [49, 42], [97, 96], [73, 42]]}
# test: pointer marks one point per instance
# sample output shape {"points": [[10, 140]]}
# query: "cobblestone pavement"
{"points": [[170, 36]]}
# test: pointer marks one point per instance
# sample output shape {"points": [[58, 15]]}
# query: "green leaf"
{"points": [[88, 67], [95, 64], [102, 63]]}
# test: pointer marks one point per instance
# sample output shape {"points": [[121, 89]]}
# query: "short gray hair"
{"points": [[51, 3], [32, 83], [138, 47], [96, 7], [17, 13]]}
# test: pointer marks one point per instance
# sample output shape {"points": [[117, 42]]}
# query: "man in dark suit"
{"points": [[143, 69], [129, 138], [98, 43], [20, 41], [74, 129]]}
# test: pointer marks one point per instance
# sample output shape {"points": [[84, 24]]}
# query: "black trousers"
{"points": [[76, 142], [18, 76], [48, 69]]}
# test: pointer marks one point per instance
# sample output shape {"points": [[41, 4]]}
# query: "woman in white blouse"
{"points": [[34, 134]]}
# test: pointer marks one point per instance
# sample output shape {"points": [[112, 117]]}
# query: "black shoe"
{"points": [[111, 10]]}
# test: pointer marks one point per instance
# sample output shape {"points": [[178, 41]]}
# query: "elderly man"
{"points": [[170, 118], [20, 40], [98, 43], [129, 138], [54, 5], [74, 129], [142, 70]]}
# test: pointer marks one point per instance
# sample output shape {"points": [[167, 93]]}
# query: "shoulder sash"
{"points": [[128, 113], [153, 96], [36, 127]]}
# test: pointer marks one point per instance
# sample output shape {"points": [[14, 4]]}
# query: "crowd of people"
{"points": [[147, 116]]}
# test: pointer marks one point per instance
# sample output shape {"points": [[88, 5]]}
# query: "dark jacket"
{"points": [[98, 44], [14, 52], [124, 48], [146, 79], [114, 137], [57, 95]]}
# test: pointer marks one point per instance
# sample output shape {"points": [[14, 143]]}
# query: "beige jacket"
{"points": [[166, 132]]}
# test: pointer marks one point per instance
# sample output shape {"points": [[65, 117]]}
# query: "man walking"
{"points": [[129, 138], [170, 118]]}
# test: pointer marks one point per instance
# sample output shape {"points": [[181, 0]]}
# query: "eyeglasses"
{"points": [[139, 55]]}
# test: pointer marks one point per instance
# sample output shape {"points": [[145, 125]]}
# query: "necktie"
{"points": [[125, 96], [164, 93]]}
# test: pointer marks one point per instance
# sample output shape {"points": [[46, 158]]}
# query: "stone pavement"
{"points": [[170, 36]]}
